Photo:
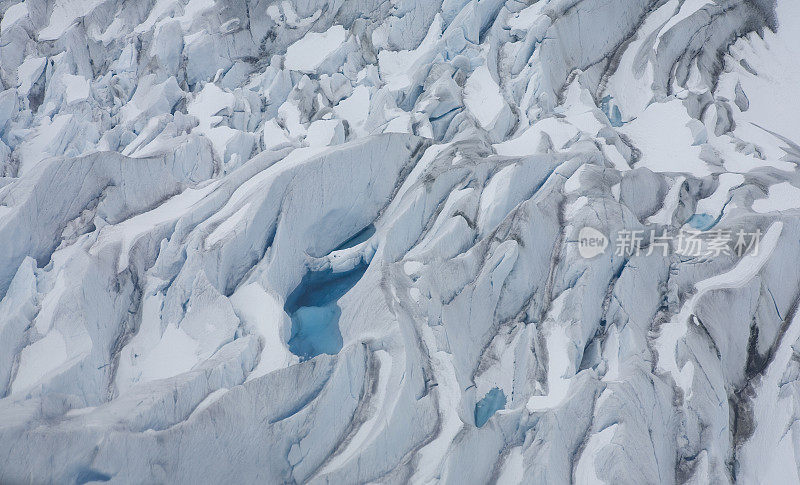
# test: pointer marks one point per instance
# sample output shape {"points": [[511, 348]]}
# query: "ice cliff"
{"points": [[339, 241]]}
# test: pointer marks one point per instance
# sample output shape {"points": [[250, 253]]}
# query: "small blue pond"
{"points": [[702, 222], [314, 309], [492, 402]]}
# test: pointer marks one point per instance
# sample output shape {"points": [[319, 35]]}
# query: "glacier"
{"points": [[341, 241]]}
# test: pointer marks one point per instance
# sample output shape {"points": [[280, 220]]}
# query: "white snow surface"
{"points": [[310, 51]]}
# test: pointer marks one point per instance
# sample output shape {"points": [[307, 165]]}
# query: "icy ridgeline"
{"points": [[334, 241]]}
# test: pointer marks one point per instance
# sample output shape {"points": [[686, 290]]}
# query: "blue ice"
{"points": [[613, 113], [314, 310], [362, 236], [702, 222], [493, 401]]}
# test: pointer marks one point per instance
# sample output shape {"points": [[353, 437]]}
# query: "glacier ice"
{"points": [[329, 241], [493, 401], [314, 310]]}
